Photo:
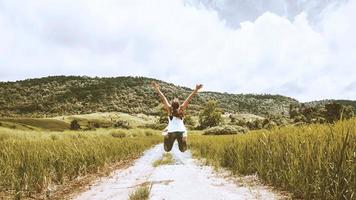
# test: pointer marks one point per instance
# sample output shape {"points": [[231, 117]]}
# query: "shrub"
{"points": [[118, 134], [255, 125], [96, 125], [122, 124], [225, 130], [148, 133], [155, 126], [74, 125]]}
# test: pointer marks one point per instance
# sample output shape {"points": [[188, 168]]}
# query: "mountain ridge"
{"points": [[63, 95]]}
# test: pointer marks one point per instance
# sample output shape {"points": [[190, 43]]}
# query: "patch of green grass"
{"points": [[105, 119], [14, 125], [165, 160], [45, 124], [142, 193]]}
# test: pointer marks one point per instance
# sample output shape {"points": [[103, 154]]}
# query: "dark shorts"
{"points": [[171, 137]]}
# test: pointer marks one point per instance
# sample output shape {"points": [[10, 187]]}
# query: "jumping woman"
{"points": [[175, 129]]}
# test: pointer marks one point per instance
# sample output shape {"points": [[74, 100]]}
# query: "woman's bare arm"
{"points": [[163, 98], [186, 102]]}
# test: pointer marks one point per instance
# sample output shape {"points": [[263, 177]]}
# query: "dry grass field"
{"points": [[313, 161]]}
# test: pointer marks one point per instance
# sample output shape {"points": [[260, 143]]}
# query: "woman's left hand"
{"points": [[198, 87], [155, 85]]}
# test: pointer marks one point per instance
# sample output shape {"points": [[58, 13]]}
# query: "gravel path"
{"points": [[185, 179]]}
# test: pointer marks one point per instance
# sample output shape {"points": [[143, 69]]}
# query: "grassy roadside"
{"points": [[313, 162], [166, 159], [33, 162]]}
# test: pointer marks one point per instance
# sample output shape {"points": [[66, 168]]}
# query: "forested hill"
{"points": [[62, 95], [327, 101]]}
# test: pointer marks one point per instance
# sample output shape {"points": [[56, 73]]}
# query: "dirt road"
{"points": [[185, 179]]}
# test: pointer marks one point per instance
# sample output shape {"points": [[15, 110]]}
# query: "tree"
{"points": [[293, 111], [210, 115], [189, 121], [336, 111], [163, 116]]}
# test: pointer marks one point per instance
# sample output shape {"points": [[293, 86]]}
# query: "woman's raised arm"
{"points": [[186, 102], [163, 98]]}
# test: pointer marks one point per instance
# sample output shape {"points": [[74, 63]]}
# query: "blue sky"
{"points": [[303, 49]]}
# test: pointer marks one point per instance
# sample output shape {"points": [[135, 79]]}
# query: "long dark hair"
{"points": [[175, 109]]}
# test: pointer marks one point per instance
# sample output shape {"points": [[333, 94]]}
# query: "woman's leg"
{"points": [[168, 141], [182, 143]]}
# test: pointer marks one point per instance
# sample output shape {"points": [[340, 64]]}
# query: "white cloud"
{"points": [[182, 44]]}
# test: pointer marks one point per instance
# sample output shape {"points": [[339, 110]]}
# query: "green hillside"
{"points": [[68, 95]]}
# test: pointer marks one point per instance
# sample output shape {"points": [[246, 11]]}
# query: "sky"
{"points": [[305, 49]]}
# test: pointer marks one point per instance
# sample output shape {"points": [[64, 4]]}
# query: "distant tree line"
{"points": [[330, 112]]}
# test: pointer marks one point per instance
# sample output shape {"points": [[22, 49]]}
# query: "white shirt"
{"points": [[175, 125]]}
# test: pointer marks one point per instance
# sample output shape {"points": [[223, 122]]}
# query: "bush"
{"points": [[225, 130], [148, 133], [96, 125], [255, 125], [122, 124], [155, 126], [118, 134], [74, 125]]}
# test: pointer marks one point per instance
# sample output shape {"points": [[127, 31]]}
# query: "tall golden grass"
{"points": [[31, 161], [313, 162]]}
